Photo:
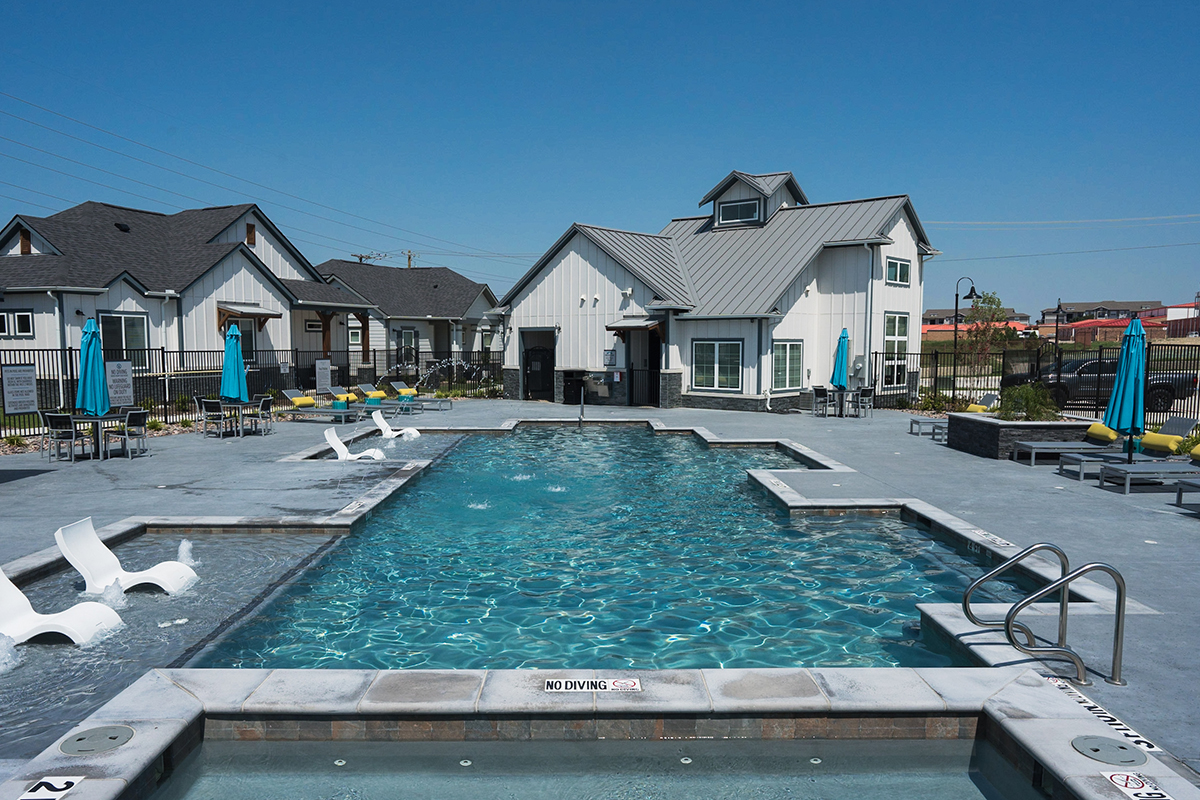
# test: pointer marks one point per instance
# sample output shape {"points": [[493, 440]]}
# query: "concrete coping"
{"points": [[991, 419], [167, 708]]}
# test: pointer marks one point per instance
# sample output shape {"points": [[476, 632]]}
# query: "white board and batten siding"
{"points": [[268, 249], [37, 245], [741, 330], [564, 293], [895, 298], [45, 320], [162, 318], [233, 280], [305, 340]]}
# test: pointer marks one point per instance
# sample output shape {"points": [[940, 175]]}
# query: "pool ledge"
{"points": [[1028, 719]]}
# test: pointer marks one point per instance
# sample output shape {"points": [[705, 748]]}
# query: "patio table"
{"points": [[240, 408], [97, 423], [841, 395]]}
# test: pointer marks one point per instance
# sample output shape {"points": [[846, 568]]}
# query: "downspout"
{"points": [[759, 358], [870, 379], [60, 313]]}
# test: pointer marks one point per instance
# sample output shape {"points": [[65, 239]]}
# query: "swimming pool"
{"points": [[605, 548]]}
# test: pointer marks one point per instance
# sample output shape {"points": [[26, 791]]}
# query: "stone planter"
{"points": [[984, 435]]}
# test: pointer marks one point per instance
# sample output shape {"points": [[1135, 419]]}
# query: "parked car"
{"points": [[1092, 379]]}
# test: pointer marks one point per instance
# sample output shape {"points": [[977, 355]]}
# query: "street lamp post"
{"points": [[1058, 312], [972, 296]]}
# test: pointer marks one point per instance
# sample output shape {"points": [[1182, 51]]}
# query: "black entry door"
{"points": [[539, 373], [644, 377]]}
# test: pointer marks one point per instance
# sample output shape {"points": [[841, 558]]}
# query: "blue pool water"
{"points": [[600, 547]]}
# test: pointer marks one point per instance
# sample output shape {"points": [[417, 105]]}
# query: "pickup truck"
{"points": [[1078, 379]]}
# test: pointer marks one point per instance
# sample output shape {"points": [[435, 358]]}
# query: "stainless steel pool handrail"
{"points": [[1007, 565], [1062, 583]]}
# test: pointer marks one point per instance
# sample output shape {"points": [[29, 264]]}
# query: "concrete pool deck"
{"points": [[1022, 504]]}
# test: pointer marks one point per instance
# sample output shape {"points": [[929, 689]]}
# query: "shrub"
{"points": [[182, 405], [938, 403], [185, 423], [154, 425], [148, 403], [14, 441], [1190, 443], [1030, 402]]}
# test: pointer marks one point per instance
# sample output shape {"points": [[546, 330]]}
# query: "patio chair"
{"points": [[80, 623], [403, 389], [213, 416], [342, 393], [406, 434], [100, 568], [343, 452], [305, 406], [199, 426], [61, 428], [821, 401], [261, 415], [863, 401], [133, 430]]}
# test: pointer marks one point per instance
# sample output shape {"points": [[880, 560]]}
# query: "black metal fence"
{"points": [[1080, 381], [165, 381]]}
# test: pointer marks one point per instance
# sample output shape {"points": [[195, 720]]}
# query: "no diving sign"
{"points": [[1137, 785], [594, 685]]}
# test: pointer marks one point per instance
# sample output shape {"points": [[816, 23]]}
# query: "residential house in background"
{"points": [[945, 316], [1183, 319], [740, 307], [418, 309], [1106, 309], [169, 281], [1110, 331]]}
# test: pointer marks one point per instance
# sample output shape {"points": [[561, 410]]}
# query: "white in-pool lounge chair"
{"points": [[100, 567], [80, 623], [343, 452], [407, 434]]}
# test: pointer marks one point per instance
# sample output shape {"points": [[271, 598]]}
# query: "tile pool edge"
{"points": [[1030, 722]]}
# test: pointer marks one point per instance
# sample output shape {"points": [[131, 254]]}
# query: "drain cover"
{"points": [[97, 740], [1110, 751]]}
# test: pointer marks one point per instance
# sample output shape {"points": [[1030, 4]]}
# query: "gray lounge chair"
{"points": [[1157, 471], [1187, 485], [1178, 426], [441, 403], [1088, 445]]}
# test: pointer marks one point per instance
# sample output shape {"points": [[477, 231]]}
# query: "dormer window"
{"points": [[737, 212]]}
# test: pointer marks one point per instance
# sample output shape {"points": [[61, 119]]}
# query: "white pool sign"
{"points": [[20, 388], [51, 787], [593, 685], [324, 368], [119, 377], [1136, 785]]}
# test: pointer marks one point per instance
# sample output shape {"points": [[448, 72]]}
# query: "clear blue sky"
{"points": [[497, 125]]}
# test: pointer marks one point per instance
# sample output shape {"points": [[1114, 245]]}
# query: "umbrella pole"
{"points": [[1130, 447]]}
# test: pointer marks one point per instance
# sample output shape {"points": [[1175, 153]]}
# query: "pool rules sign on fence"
{"points": [[20, 388], [119, 375]]}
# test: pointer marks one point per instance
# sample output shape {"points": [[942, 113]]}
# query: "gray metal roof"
{"points": [[739, 272], [419, 292], [764, 184], [650, 257], [743, 271]]}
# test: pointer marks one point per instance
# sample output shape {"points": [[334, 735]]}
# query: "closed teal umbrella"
{"points": [[233, 369], [1126, 412], [840, 377], [91, 397]]}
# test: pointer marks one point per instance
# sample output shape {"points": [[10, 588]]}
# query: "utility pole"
{"points": [[410, 255], [366, 258]]}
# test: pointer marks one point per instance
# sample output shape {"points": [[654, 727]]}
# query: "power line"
{"points": [[27, 202], [88, 180], [1059, 221], [245, 180], [35, 191], [1070, 252]]}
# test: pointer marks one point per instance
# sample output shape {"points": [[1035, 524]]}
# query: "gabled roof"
{"points": [[764, 184], [743, 271], [651, 258], [1110, 305], [323, 295], [738, 272], [414, 293], [158, 251]]}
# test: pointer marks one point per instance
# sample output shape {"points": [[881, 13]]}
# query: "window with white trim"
{"points": [[895, 349], [788, 365], [355, 336], [898, 271], [3, 325], [737, 211], [23, 323], [717, 365], [487, 340], [124, 337]]}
